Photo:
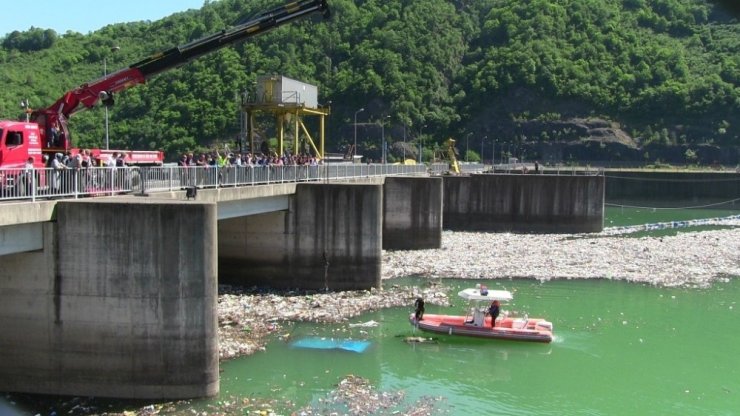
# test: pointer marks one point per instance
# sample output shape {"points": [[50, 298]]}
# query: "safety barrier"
{"points": [[23, 184], [465, 167], [48, 183]]}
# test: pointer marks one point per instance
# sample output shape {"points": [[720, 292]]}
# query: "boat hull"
{"points": [[514, 329]]}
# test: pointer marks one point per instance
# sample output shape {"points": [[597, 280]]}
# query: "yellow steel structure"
{"points": [[450, 143], [292, 115]]}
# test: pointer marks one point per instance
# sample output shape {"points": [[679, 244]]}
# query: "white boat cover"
{"points": [[474, 294]]}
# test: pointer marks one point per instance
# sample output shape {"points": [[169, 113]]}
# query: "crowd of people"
{"points": [[228, 158], [69, 172], [83, 159], [231, 167], [65, 173]]}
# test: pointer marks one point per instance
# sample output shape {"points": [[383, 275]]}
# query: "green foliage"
{"points": [[471, 156], [690, 156], [669, 69], [34, 39]]}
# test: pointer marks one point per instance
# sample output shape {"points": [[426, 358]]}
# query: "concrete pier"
{"points": [[121, 302], [412, 213], [329, 238], [524, 203]]}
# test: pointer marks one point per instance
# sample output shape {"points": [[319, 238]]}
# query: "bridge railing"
{"points": [[50, 183], [465, 167], [47, 183], [171, 178]]}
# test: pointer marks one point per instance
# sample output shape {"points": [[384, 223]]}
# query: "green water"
{"points": [[619, 349], [617, 216]]}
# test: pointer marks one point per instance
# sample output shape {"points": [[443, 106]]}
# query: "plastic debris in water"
{"points": [[332, 344]]}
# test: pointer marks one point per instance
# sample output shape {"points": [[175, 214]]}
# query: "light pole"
{"points": [[482, 142], [421, 143], [26, 109], [404, 143], [467, 145], [105, 74], [382, 136], [355, 152], [493, 152]]}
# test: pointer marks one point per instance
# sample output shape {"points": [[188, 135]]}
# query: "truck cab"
{"points": [[18, 141]]}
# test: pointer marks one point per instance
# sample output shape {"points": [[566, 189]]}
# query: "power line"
{"points": [[632, 178], [731, 201]]}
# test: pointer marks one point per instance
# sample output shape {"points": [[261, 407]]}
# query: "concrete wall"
{"points": [[412, 213], [330, 238], [524, 203], [133, 317], [253, 250], [27, 363]]}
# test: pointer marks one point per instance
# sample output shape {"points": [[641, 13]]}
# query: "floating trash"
{"points": [[688, 259], [332, 344], [732, 220], [247, 317], [420, 340], [368, 324], [356, 396]]}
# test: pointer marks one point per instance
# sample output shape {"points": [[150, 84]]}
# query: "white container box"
{"points": [[277, 89]]}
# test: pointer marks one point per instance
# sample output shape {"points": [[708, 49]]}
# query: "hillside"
{"points": [[662, 75]]}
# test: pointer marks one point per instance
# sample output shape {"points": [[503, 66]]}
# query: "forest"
{"points": [[556, 80]]}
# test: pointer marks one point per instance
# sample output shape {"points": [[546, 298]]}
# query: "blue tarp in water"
{"points": [[331, 344]]}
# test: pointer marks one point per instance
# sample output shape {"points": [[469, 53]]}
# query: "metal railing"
{"points": [[48, 183], [176, 177], [465, 167], [22, 184], [530, 168]]}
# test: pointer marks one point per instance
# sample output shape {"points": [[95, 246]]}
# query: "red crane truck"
{"points": [[46, 132]]}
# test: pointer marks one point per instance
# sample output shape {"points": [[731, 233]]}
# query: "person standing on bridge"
{"points": [[29, 172], [182, 168], [58, 182]]}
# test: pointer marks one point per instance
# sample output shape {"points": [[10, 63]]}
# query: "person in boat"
{"points": [[419, 305], [494, 311]]}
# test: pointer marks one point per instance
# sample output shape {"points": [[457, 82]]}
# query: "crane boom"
{"points": [[89, 94]]}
